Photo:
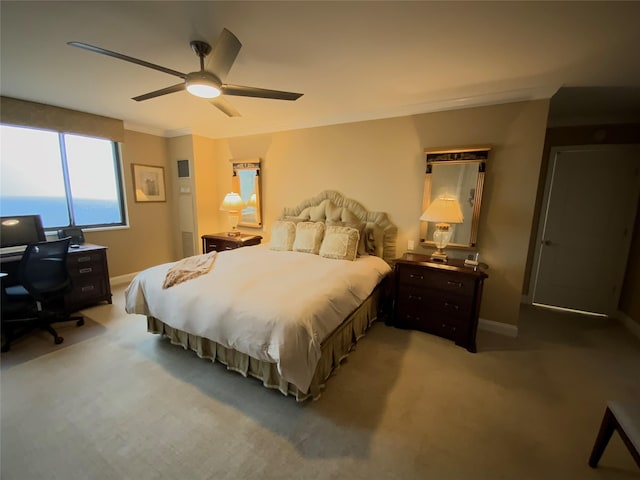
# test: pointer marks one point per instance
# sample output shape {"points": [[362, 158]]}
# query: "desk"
{"points": [[89, 273]]}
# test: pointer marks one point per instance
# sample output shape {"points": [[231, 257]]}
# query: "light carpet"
{"points": [[120, 403]]}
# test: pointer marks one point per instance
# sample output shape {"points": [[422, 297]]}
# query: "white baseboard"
{"points": [[498, 327], [629, 324], [120, 279]]}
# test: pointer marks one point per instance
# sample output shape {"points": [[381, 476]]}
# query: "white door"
{"points": [[586, 226]]}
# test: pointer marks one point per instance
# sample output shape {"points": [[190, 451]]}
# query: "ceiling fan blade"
{"points": [[162, 91], [224, 54], [242, 91], [225, 107], [126, 58]]}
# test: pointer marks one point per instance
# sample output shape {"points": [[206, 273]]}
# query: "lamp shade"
{"points": [[232, 203], [443, 210]]}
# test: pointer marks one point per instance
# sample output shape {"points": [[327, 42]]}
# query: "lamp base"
{"points": [[439, 256], [234, 233]]}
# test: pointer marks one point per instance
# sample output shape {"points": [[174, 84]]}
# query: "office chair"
{"points": [[39, 299]]}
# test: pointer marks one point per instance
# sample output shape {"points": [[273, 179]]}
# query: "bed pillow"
{"points": [[283, 234], [309, 237], [340, 243], [362, 250]]}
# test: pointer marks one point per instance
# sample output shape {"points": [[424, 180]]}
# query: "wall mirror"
{"points": [[457, 173], [246, 182]]}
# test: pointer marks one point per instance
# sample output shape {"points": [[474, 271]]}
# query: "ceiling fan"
{"points": [[205, 83]]}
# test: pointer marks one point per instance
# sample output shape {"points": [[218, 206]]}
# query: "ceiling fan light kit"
{"points": [[203, 83]]}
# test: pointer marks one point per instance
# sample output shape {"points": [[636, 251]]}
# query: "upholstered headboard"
{"points": [[331, 205]]}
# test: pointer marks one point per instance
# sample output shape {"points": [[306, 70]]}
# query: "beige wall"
{"points": [[207, 194], [182, 205], [381, 164], [148, 240], [194, 198]]}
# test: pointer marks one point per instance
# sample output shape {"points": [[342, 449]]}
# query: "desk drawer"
{"points": [[89, 290], [85, 270]]}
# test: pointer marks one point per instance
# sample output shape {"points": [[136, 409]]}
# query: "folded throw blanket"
{"points": [[188, 268]]}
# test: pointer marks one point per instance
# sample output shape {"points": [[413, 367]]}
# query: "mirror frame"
{"points": [[238, 166], [474, 155]]}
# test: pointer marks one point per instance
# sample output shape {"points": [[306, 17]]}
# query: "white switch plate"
{"points": [[410, 245]]}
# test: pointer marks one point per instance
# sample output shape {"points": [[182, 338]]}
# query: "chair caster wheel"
{"points": [[58, 340], [80, 322]]}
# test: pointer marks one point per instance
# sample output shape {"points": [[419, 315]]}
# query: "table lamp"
{"points": [[442, 211], [233, 204]]}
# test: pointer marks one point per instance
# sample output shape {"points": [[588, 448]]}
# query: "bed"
{"points": [[286, 312]]}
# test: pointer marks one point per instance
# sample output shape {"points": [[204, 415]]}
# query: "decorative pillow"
{"points": [[374, 239], [283, 234], [358, 226], [340, 243], [308, 237]]}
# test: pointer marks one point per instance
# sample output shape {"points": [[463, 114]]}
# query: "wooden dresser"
{"points": [[438, 298], [89, 276], [219, 242]]}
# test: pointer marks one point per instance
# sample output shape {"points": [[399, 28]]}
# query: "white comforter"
{"points": [[274, 306]]}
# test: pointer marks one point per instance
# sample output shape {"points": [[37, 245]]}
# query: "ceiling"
{"points": [[352, 60]]}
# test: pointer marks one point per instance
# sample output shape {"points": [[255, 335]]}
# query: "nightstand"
{"points": [[438, 298], [221, 241]]}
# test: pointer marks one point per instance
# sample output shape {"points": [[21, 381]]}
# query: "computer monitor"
{"points": [[21, 230]]}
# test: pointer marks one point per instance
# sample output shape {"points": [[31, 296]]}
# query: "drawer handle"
{"points": [[86, 270], [415, 297], [228, 248], [419, 277], [84, 259], [88, 288], [454, 284], [452, 305]]}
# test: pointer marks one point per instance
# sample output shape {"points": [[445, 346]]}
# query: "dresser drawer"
{"points": [[438, 298], [429, 322], [221, 242], [220, 245], [417, 299], [440, 280]]}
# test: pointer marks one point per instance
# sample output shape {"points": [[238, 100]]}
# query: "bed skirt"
{"points": [[334, 350]]}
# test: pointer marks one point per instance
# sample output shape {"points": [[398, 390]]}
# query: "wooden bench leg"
{"points": [[610, 424], [604, 435]]}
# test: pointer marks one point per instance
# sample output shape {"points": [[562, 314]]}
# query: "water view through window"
{"points": [[66, 179]]}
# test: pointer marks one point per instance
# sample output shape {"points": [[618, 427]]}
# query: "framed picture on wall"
{"points": [[148, 183]]}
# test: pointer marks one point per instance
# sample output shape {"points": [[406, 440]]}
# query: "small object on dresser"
{"points": [[472, 260]]}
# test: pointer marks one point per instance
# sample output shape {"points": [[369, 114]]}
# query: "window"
{"points": [[68, 179]]}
